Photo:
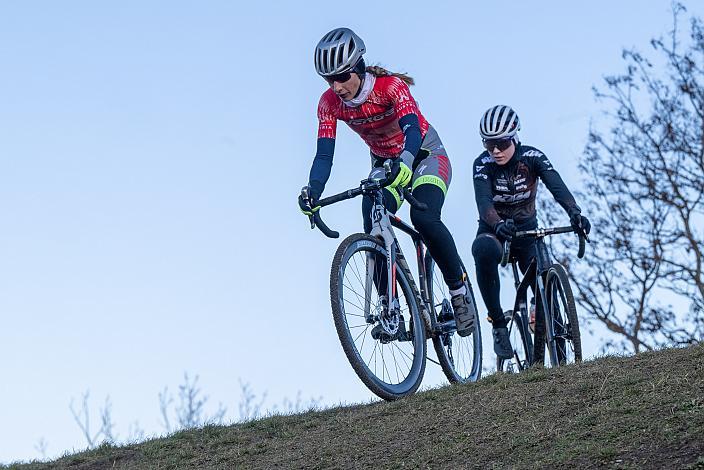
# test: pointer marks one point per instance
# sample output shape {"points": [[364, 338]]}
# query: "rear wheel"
{"points": [[563, 313], [521, 342], [383, 340], [459, 356]]}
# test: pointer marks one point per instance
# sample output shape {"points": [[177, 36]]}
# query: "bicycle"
{"points": [[556, 321], [381, 317]]}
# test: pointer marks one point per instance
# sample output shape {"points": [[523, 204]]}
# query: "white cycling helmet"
{"points": [[339, 51], [499, 122]]}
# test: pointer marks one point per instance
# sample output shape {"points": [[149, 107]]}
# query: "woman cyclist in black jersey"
{"points": [[505, 185]]}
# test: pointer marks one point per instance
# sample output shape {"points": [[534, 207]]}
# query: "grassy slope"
{"points": [[644, 411]]}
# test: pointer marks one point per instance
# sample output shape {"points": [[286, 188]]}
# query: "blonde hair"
{"points": [[378, 71]]}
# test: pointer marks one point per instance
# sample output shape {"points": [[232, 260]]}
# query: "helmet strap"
{"points": [[361, 85]]}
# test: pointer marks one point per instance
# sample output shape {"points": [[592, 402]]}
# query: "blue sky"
{"points": [[150, 158]]}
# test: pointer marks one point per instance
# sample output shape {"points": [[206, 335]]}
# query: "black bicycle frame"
{"points": [[534, 278]]}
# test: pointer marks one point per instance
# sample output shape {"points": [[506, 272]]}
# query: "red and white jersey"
{"points": [[375, 120]]}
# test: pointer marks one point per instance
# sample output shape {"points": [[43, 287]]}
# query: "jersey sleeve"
{"points": [[401, 98], [327, 119], [553, 181], [483, 194], [410, 126]]}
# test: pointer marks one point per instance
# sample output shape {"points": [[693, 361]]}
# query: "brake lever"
{"points": [[306, 199], [387, 167], [584, 234]]}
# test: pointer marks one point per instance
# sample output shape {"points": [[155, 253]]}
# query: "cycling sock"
{"points": [[461, 291]]}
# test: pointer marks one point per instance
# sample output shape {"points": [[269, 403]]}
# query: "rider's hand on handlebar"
{"points": [[579, 222], [505, 229], [308, 201], [400, 175]]}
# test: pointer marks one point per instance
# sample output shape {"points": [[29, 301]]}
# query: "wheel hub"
{"points": [[390, 319]]}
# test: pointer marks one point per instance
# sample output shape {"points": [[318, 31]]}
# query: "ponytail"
{"points": [[378, 71]]}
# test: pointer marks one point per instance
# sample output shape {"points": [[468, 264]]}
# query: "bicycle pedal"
{"points": [[448, 326]]}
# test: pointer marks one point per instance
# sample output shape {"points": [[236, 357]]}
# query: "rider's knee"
{"points": [[424, 221], [432, 196], [486, 249]]}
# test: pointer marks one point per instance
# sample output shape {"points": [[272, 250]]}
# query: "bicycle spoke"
{"points": [[393, 354], [456, 354], [390, 365], [359, 297], [362, 334], [355, 270]]}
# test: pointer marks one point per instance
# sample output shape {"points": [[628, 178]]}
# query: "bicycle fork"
{"points": [[394, 260], [370, 281], [549, 327], [381, 229]]}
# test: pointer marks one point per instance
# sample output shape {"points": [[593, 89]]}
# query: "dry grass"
{"points": [[645, 411]]}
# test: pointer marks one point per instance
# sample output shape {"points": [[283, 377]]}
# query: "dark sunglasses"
{"points": [[340, 78], [501, 144]]}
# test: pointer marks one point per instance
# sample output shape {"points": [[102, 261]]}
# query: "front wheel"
{"points": [[460, 357], [384, 340], [563, 313]]}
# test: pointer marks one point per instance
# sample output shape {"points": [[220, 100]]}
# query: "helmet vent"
{"points": [[499, 122], [340, 55], [326, 67], [339, 51]]}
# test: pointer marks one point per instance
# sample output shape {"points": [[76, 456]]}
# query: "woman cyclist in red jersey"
{"points": [[377, 105]]}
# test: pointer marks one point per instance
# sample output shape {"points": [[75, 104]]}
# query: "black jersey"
{"points": [[508, 191]]}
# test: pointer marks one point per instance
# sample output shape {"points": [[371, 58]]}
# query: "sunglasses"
{"points": [[340, 78], [501, 144]]}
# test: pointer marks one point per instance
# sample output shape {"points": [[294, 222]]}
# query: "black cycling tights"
{"points": [[435, 235], [487, 252]]}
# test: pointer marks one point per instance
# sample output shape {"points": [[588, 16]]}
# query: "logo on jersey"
{"points": [[422, 168], [488, 159], [480, 175], [478, 168], [533, 153], [512, 198], [378, 117]]}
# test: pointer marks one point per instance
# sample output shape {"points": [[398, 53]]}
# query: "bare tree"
{"points": [[135, 433], [250, 407], [82, 417], [41, 446], [189, 411], [298, 405], [186, 413], [644, 192]]}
